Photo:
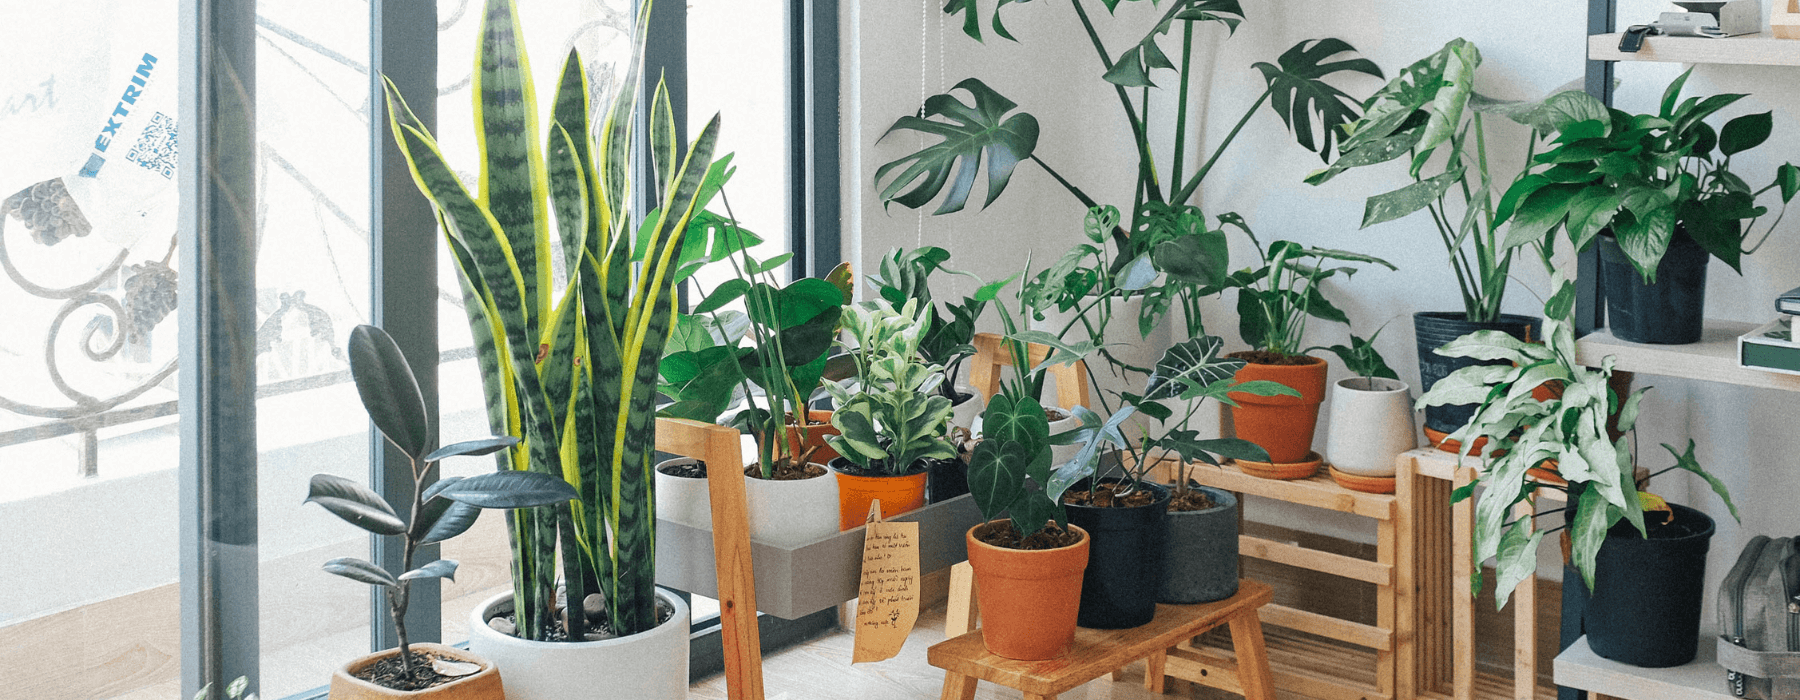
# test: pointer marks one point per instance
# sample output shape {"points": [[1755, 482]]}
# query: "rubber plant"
{"points": [[890, 416], [438, 509], [1164, 225], [1645, 176], [569, 366]]}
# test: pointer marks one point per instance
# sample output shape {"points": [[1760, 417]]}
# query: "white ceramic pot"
{"points": [[681, 499], [652, 665], [1371, 423], [1061, 454], [963, 415], [792, 513]]}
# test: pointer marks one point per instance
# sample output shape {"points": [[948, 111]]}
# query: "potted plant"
{"points": [[1430, 109], [1028, 566], [947, 342], [1274, 303], [1371, 419], [571, 369], [436, 512], [1658, 194], [1177, 544], [1604, 506], [891, 421]]}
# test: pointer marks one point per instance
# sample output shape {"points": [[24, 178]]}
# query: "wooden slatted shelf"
{"points": [[1307, 666], [1750, 50], [1713, 359]]}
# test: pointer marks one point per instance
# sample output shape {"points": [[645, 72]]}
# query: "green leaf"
{"points": [[1197, 450], [1540, 214], [1137, 274], [1672, 94], [442, 568], [472, 448], [511, 489], [967, 132], [1788, 177], [1382, 208], [1746, 132], [1263, 387], [972, 18], [1368, 153], [1134, 66], [1517, 559], [1196, 361], [441, 518], [1687, 461], [1563, 110], [770, 264], [727, 292], [354, 503], [389, 393], [1298, 91], [360, 570], [996, 475], [1458, 77], [1645, 237]]}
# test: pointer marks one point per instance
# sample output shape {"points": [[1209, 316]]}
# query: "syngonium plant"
{"points": [[1164, 227], [569, 366], [438, 509], [890, 417]]}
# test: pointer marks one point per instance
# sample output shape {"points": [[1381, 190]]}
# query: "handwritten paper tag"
{"points": [[887, 603]]}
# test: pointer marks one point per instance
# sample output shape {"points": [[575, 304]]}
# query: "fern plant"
{"points": [[569, 366]]}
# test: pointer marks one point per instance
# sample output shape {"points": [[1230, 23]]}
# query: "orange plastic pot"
{"points": [[898, 494], [1029, 598], [1283, 425], [815, 436]]}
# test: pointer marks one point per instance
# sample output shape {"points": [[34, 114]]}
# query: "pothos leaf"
{"points": [[1298, 90], [967, 131]]}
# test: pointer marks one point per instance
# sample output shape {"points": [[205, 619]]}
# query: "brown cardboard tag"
{"points": [[887, 603]]}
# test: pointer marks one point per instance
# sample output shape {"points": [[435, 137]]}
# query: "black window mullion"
{"points": [[403, 254], [814, 125], [217, 303]]}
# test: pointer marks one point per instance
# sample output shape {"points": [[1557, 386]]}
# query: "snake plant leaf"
{"points": [[967, 132], [442, 568], [472, 448], [511, 489], [997, 475], [360, 570], [1196, 361], [1687, 461], [354, 503], [1298, 90], [384, 381], [513, 185], [569, 119]]}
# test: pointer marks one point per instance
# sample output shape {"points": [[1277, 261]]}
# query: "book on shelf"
{"points": [[1788, 302], [1771, 347]]}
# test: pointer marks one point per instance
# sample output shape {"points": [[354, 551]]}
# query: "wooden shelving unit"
{"points": [[1713, 359], [1751, 50], [1701, 679]]}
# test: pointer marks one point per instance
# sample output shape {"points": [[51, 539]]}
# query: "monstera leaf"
{"points": [[1298, 90], [967, 132], [972, 18], [1134, 66], [1193, 362]]}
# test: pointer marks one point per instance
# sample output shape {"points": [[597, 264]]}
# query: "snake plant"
{"points": [[569, 366]]}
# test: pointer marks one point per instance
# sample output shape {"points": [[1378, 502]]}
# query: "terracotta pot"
{"points": [[483, 685], [1283, 425], [1029, 598], [815, 436], [898, 494]]}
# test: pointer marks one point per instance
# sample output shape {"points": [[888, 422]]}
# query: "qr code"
{"points": [[156, 149]]}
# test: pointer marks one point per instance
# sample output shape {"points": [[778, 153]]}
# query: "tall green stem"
{"points": [[1181, 107], [1146, 165], [1187, 191]]}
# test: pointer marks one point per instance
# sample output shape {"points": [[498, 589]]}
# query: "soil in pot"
{"points": [[858, 486], [1002, 534], [1282, 425], [1645, 606], [438, 672], [389, 672], [684, 470], [787, 470], [1125, 560], [594, 606]]}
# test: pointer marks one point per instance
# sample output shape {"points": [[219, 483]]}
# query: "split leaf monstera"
{"points": [[569, 366]]}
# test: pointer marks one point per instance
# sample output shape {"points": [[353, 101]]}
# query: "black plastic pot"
{"points": [[945, 479], [1200, 552], [1645, 606], [1669, 312], [1125, 561], [1435, 328]]}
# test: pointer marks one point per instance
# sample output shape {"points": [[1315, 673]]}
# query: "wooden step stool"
{"points": [[1096, 653]]}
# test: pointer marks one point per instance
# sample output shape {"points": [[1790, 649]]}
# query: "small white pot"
{"points": [[652, 665], [681, 499], [1371, 423], [1061, 454], [792, 513], [963, 415]]}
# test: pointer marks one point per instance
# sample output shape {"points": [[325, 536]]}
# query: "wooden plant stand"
{"points": [[1096, 653]]}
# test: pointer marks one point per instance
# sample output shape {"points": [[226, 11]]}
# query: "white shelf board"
{"points": [[1701, 679], [1713, 359], [1749, 50]]}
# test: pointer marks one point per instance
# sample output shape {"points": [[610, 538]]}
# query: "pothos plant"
{"points": [[438, 509], [1275, 300], [1162, 215], [889, 417], [1646, 178]]}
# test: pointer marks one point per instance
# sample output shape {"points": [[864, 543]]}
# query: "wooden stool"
{"points": [[1096, 653]]}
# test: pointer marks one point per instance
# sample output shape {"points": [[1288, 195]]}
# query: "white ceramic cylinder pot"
{"points": [[1371, 423], [683, 500], [652, 665], [963, 415], [1061, 454], [792, 513]]}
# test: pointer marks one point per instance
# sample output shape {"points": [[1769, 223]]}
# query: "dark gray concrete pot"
{"points": [[1200, 553]]}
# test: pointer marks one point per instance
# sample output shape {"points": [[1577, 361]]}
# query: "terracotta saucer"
{"points": [[1365, 484], [1289, 471], [1442, 441]]}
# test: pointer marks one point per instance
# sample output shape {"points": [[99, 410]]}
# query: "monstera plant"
{"points": [[1163, 224]]}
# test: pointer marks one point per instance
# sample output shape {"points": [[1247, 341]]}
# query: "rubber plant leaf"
{"points": [[354, 503], [968, 132], [384, 381], [1299, 93], [511, 489], [360, 570], [442, 568]]}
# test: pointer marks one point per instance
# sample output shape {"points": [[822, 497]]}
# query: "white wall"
{"points": [[895, 54]]}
